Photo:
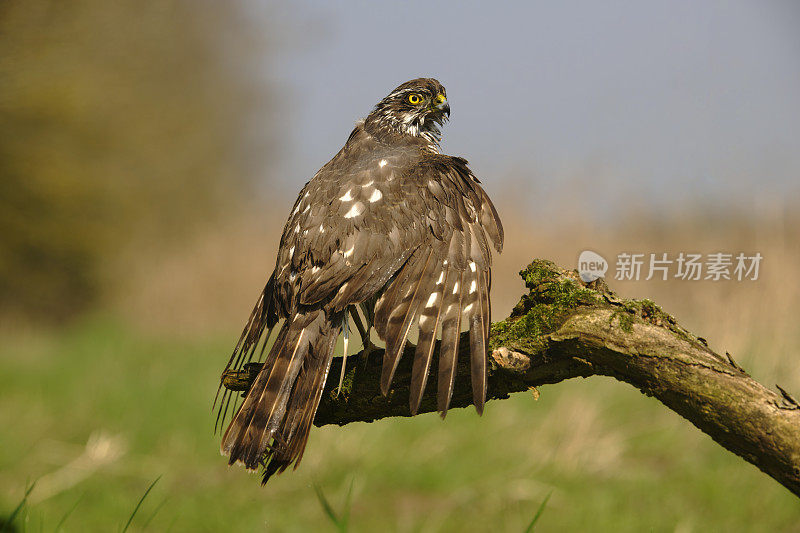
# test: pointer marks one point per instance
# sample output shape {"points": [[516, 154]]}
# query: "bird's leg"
{"points": [[346, 335], [363, 331]]}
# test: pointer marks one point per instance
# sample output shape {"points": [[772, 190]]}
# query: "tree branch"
{"points": [[564, 328]]}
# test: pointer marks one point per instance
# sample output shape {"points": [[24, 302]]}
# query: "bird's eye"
{"points": [[414, 99]]}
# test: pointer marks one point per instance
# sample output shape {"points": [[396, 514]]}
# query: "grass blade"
{"points": [[347, 507], [539, 512], [341, 523], [9, 524], [64, 518], [153, 515], [326, 506], [138, 505]]}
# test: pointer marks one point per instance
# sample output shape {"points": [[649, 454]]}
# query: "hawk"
{"points": [[391, 226]]}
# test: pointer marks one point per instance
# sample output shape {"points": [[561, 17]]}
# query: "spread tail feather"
{"points": [[271, 427], [263, 318]]}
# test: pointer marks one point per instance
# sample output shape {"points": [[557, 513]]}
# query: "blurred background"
{"points": [[151, 151]]}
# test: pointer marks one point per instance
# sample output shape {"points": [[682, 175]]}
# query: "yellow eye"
{"points": [[414, 99]]}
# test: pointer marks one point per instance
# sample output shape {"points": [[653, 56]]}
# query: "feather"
{"points": [[402, 317], [232, 440], [265, 404], [354, 288], [346, 338], [428, 324], [477, 342], [262, 317], [486, 306], [268, 420], [448, 352], [294, 431], [490, 221], [394, 291]]}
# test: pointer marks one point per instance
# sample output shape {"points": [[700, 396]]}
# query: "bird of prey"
{"points": [[392, 226]]}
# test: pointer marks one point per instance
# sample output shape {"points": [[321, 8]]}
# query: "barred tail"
{"points": [[272, 425]]}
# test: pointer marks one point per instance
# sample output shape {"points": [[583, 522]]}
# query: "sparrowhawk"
{"points": [[391, 226]]}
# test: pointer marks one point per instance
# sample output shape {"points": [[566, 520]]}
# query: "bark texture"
{"points": [[565, 328]]}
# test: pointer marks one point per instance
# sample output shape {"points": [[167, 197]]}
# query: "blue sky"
{"points": [[664, 100]]}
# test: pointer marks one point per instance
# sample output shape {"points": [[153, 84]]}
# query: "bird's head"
{"points": [[417, 108]]}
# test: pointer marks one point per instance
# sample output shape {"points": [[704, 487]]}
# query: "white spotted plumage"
{"points": [[432, 299], [388, 223], [355, 210]]}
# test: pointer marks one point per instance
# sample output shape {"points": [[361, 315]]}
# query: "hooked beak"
{"points": [[441, 105]]}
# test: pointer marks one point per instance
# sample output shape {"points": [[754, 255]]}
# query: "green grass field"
{"points": [[613, 459]]}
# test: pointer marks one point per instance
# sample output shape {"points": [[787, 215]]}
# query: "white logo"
{"points": [[591, 266]]}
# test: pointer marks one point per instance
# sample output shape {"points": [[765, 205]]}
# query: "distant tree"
{"points": [[119, 120]]}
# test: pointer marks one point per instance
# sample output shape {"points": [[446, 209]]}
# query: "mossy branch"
{"points": [[565, 328]]}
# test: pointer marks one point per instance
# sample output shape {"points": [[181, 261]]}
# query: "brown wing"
{"points": [[445, 281], [348, 233], [353, 227], [378, 221]]}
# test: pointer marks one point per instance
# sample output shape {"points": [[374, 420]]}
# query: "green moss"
{"points": [[552, 295], [625, 319], [347, 384], [644, 309], [540, 272], [648, 311]]}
